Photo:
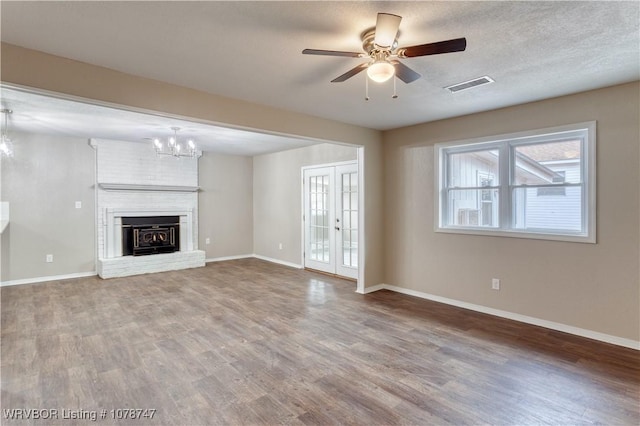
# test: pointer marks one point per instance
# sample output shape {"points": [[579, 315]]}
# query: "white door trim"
{"points": [[361, 222], [358, 163]]}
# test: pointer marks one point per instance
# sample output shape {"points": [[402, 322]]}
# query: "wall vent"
{"points": [[469, 84]]}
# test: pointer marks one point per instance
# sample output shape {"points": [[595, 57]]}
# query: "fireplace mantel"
{"points": [[138, 187]]}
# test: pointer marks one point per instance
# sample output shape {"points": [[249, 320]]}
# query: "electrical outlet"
{"points": [[495, 284], [280, 246], [49, 258], [207, 241], [78, 204]]}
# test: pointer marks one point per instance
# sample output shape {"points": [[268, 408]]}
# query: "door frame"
{"points": [[359, 163]]}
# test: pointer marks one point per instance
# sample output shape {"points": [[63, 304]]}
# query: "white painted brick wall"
{"points": [[137, 164]]}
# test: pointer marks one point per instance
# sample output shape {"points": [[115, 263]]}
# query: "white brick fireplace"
{"points": [[132, 181]]}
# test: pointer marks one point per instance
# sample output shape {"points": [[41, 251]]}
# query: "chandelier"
{"points": [[174, 147], [6, 147]]}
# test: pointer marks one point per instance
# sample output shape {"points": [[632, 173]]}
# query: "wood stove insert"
{"points": [[150, 235]]}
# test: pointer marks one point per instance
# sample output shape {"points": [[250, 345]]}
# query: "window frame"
{"points": [[506, 145]]}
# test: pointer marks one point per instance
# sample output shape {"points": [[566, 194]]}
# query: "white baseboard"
{"points": [[590, 334], [223, 258], [281, 262], [49, 278], [374, 288]]}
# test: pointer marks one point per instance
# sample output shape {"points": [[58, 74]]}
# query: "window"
{"points": [[538, 184]]}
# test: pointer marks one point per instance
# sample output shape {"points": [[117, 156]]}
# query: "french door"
{"points": [[331, 219]]}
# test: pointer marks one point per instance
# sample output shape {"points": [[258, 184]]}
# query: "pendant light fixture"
{"points": [[174, 147], [6, 147]]}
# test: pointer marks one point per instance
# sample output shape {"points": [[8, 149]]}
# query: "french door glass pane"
{"points": [[319, 220], [349, 219]]}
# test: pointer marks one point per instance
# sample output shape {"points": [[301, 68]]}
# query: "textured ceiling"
{"points": [[38, 113], [252, 50]]}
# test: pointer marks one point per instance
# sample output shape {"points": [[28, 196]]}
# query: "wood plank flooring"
{"points": [[250, 342]]}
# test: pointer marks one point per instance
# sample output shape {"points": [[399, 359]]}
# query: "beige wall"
{"points": [[42, 182], [277, 206], [35, 69], [225, 205], [590, 286]]}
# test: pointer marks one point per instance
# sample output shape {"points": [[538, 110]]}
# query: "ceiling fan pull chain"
{"points": [[366, 87], [395, 95]]}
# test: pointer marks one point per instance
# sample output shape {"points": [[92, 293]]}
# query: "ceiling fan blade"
{"points": [[455, 45], [405, 73], [332, 53], [386, 29], [347, 75]]}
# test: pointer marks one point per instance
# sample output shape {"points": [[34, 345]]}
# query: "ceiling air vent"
{"points": [[469, 84]]}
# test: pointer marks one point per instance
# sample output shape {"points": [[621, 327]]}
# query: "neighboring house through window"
{"points": [[538, 184]]}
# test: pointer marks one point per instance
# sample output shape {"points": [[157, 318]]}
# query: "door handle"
{"points": [[337, 228]]}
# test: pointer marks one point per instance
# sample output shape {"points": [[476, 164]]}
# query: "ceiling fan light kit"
{"points": [[380, 70], [381, 47]]}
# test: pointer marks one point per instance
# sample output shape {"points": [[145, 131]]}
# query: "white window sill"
{"points": [[572, 238]]}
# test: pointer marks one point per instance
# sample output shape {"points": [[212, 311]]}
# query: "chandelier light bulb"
{"points": [[172, 141], [5, 149], [380, 71]]}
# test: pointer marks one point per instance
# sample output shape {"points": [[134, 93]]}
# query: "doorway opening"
{"points": [[330, 218]]}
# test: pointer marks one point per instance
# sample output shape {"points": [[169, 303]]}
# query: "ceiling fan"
{"points": [[381, 47]]}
